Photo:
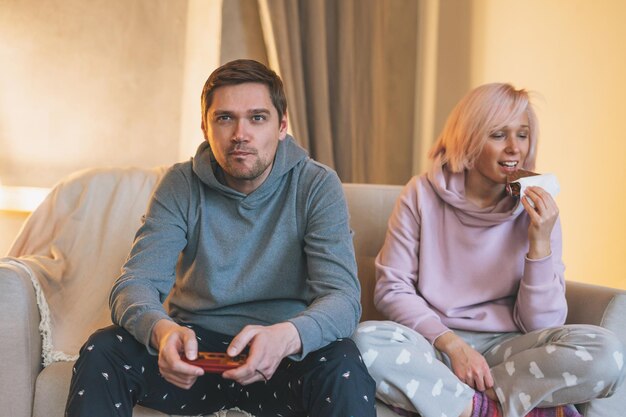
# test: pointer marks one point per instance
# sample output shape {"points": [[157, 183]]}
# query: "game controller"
{"points": [[214, 362]]}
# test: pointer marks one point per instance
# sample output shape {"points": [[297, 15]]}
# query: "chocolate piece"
{"points": [[513, 187]]}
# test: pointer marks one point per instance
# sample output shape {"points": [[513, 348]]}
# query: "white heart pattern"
{"points": [[403, 357], [599, 387], [535, 370], [383, 387], [507, 353], [459, 390], [500, 395], [411, 388], [429, 357], [398, 335], [570, 380], [437, 388], [525, 400], [582, 353], [366, 329], [550, 348], [619, 359], [369, 357], [510, 368]]}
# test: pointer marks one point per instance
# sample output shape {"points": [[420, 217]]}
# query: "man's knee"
{"points": [[110, 344], [342, 359], [105, 339]]}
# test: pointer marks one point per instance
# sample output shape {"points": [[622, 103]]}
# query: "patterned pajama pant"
{"points": [[114, 372], [565, 365]]}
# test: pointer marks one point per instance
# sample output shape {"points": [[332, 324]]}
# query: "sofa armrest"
{"points": [[587, 303], [20, 345], [605, 307]]}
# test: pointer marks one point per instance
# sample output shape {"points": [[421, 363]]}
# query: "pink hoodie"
{"points": [[447, 264]]}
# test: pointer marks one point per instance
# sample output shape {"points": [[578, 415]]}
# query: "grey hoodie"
{"points": [[225, 259]]}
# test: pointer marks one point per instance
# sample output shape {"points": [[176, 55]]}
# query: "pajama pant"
{"points": [[564, 365], [114, 372]]}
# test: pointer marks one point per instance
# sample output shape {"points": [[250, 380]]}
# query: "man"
{"points": [[251, 246]]}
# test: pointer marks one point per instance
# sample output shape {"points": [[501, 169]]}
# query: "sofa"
{"points": [[55, 279]]}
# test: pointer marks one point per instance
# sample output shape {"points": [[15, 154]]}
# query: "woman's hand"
{"points": [[543, 217], [467, 364]]}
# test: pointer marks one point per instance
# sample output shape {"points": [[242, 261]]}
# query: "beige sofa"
{"points": [[29, 389]]}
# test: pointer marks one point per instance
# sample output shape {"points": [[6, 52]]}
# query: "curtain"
{"points": [[350, 72]]}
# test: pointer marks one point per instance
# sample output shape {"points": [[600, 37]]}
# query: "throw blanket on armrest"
{"points": [[74, 245]]}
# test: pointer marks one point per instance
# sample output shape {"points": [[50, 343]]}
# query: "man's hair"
{"points": [[482, 111], [244, 71]]}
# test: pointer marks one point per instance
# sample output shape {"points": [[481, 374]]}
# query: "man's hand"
{"points": [[172, 340], [467, 364], [268, 346]]}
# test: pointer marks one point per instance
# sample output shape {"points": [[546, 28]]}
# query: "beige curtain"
{"points": [[349, 68]]}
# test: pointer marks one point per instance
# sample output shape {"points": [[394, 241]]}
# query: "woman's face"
{"points": [[504, 152]]}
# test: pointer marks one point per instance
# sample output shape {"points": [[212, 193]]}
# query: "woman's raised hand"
{"points": [[543, 217]]}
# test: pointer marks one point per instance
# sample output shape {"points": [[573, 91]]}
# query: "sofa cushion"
{"points": [[51, 388], [370, 207]]}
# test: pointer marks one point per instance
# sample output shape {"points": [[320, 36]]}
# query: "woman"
{"points": [[475, 288]]}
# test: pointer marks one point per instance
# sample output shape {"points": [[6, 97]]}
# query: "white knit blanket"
{"points": [[73, 246]]}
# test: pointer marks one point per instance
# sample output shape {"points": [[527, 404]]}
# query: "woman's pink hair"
{"points": [[482, 111]]}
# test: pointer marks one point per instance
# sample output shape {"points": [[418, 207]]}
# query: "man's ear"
{"points": [[282, 127]]}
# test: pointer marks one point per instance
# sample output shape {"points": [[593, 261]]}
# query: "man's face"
{"points": [[243, 129]]}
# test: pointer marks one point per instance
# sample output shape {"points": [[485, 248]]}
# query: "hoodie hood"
{"points": [[288, 155], [450, 187]]}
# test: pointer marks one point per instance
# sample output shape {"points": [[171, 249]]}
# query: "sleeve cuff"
{"points": [[310, 335], [431, 329], [144, 325], [535, 270]]}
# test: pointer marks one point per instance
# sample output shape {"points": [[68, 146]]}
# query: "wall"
{"points": [[87, 84], [10, 224], [571, 53], [99, 83]]}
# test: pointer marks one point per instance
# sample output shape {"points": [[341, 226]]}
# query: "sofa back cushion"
{"points": [[370, 206]]}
